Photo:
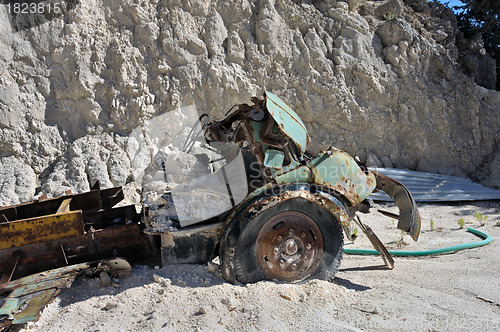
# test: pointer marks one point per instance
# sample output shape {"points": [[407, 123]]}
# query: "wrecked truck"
{"points": [[271, 209], [244, 189]]}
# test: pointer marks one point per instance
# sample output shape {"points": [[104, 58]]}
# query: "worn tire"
{"points": [[262, 252]]}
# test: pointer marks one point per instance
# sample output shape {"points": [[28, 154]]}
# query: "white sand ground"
{"points": [[459, 291]]}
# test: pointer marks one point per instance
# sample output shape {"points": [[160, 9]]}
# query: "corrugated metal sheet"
{"points": [[427, 187]]}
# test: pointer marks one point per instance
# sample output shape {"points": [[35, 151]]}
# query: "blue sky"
{"points": [[452, 2]]}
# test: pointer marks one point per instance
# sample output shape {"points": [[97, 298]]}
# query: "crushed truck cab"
{"points": [[297, 205]]}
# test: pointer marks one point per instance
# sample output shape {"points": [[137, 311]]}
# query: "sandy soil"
{"points": [[459, 291]]}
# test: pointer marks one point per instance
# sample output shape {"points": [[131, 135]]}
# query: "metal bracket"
{"points": [[376, 243]]}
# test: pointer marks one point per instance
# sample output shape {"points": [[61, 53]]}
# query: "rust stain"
{"points": [[318, 198], [293, 118]]}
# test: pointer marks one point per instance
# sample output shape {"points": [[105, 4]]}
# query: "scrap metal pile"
{"points": [[75, 235]]}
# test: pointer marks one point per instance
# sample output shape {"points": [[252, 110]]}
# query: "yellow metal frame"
{"points": [[41, 229]]}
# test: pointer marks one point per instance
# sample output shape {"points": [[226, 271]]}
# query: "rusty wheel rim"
{"points": [[289, 247]]}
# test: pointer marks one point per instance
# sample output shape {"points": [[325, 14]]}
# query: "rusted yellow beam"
{"points": [[64, 207], [41, 229]]}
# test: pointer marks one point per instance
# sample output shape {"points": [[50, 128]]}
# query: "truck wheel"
{"points": [[293, 241]]}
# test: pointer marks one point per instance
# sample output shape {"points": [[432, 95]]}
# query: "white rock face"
{"points": [[74, 87], [18, 180]]}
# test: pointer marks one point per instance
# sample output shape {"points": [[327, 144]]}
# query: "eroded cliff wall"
{"points": [[378, 79]]}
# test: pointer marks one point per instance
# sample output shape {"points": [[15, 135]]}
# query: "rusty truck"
{"points": [[267, 207]]}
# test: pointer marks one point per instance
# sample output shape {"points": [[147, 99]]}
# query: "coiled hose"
{"points": [[485, 236]]}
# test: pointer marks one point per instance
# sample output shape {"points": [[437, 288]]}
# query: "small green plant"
{"points": [[295, 20], [389, 16], [461, 222], [401, 241], [432, 224], [480, 217], [355, 232]]}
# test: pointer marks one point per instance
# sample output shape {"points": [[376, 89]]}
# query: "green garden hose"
{"points": [[486, 240]]}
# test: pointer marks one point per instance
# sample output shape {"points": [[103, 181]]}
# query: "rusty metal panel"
{"points": [[41, 229], [101, 219], [338, 170], [108, 237], [409, 218], [38, 257], [8, 213], [297, 175], [30, 294], [376, 243], [37, 278], [42, 282], [110, 197], [85, 201], [26, 308], [288, 121], [190, 246], [93, 200], [117, 237], [23, 299], [274, 158], [127, 241], [116, 265]]}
